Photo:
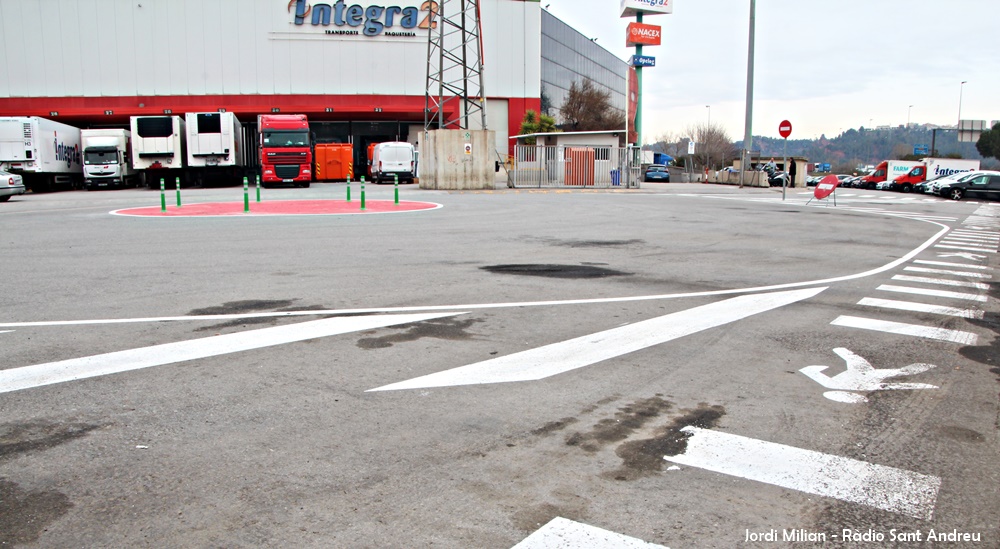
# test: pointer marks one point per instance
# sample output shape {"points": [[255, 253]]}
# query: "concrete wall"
{"points": [[458, 159]]}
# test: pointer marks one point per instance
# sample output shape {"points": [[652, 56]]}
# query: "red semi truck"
{"points": [[286, 154]]}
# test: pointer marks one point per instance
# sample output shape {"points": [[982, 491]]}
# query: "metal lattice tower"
{"points": [[455, 67]]}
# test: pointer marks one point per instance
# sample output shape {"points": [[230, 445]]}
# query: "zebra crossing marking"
{"points": [[916, 307], [931, 293], [942, 282], [900, 328], [886, 488]]}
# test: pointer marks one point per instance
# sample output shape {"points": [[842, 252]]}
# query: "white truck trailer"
{"points": [[158, 148], [215, 148], [107, 158], [44, 152]]}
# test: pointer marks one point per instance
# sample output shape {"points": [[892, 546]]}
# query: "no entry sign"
{"points": [[785, 129], [826, 186]]}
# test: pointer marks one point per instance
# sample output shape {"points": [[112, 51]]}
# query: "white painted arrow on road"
{"points": [[861, 376], [583, 351], [16, 379]]}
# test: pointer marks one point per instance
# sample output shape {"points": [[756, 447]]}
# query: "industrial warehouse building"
{"points": [[357, 70]]}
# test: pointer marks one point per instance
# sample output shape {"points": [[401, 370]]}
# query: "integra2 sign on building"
{"points": [[648, 7], [363, 18]]}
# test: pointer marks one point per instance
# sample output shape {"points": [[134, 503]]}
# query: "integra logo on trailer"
{"points": [[67, 154], [373, 19]]}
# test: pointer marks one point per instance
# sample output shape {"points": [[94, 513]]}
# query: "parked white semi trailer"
{"points": [[214, 148], [158, 148], [44, 152], [107, 158]]}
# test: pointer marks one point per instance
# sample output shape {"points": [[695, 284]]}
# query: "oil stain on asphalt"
{"points": [[450, 328], [25, 514], [626, 421], [642, 458]]}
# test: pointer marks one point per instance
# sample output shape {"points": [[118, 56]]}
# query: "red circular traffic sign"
{"points": [[785, 129], [826, 186]]}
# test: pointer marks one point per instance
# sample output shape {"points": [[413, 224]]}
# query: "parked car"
{"points": [[10, 184], [656, 172], [934, 186], [980, 185]]}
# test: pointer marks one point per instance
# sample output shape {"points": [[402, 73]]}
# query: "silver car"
{"points": [[10, 185]]}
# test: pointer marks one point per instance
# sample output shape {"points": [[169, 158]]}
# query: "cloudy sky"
{"points": [[826, 66]]}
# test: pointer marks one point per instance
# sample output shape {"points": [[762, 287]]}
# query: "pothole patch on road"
{"points": [[555, 271]]}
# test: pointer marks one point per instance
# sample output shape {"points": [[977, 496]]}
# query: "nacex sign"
{"points": [[642, 34]]}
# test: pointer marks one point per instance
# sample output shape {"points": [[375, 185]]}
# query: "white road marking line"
{"points": [[6, 331], [921, 307], [560, 533], [27, 377], [976, 237], [947, 264], [932, 293], [961, 241], [966, 248], [947, 272], [558, 358], [373, 310], [898, 328], [941, 282], [886, 488], [976, 234]]}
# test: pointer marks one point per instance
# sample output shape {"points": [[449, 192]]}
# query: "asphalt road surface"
{"points": [[688, 366]]}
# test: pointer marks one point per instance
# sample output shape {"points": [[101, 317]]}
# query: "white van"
{"points": [[395, 158]]}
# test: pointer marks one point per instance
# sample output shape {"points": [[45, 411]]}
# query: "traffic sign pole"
{"points": [[785, 130]]}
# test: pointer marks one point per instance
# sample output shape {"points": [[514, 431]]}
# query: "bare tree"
{"points": [[588, 108], [714, 147]]}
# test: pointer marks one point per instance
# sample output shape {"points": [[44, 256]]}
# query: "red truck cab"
{"points": [[916, 176], [286, 154], [879, 175]]}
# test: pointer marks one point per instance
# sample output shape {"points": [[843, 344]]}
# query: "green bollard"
{"points": [[362, 192], [163, 196], [258, 187], [395, 178], [177, 185], [246, 196], [348, 189]]}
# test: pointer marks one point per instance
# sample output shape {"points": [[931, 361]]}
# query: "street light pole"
{"points": [[708, 153], [961, 88], [748, 130]]}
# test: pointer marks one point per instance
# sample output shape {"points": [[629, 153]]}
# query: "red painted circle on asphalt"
{"points": [[280, 207]]}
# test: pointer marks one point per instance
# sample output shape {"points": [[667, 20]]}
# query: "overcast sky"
{"points": [[826, 66]]}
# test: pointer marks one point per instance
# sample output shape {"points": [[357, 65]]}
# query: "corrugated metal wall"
{"points": [[123, 48]]}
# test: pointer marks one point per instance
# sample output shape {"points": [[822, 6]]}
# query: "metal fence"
{"points": [[575, 166]]}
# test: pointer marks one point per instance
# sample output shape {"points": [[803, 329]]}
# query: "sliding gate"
{"points": [[575, 166]]}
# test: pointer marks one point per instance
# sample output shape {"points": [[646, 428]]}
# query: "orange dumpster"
{"points": [[334, 161]]}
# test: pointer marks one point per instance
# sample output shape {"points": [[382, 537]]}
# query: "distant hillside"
{"points": [[864, 146]]}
